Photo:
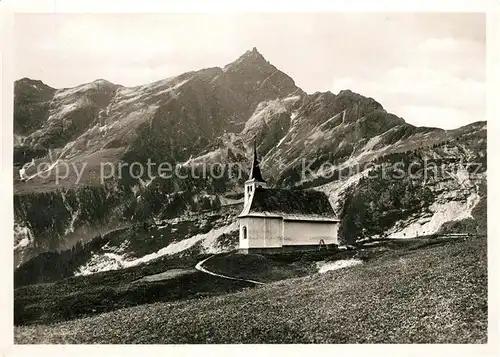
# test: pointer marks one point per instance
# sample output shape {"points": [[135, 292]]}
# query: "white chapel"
{"points": [[275, 219]]}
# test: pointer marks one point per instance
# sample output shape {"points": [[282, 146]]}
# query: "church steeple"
{"points": [[255, 179], [255, 173]]}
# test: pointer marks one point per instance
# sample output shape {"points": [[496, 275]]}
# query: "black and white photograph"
{"points": [[248, 178]]}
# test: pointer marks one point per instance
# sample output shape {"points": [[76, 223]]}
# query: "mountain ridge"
{"points": [[213, 116]]}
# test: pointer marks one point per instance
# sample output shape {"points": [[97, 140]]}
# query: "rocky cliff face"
{"points": [[206, 120]]}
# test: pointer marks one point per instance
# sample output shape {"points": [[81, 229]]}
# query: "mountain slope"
{"points": [[204, 123], [430, 294]]}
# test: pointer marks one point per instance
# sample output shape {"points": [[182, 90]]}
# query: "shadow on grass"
{"points": [[88, 295]]}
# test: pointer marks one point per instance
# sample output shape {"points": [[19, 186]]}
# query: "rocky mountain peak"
{"points": [[348, 94], [104, 83], [253, 55], [251, 58], [253, 79], [31, 83], [31, 104]]}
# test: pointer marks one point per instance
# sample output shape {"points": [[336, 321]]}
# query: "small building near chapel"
{"points": [[276, 219]]}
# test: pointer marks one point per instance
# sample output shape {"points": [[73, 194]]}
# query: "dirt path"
{"points": [[200, 267]]}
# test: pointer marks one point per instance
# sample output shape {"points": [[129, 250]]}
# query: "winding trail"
{"points": [[199, 267]]}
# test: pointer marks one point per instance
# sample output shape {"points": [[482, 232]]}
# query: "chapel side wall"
{"points": [[309, 233], [264, 232]]}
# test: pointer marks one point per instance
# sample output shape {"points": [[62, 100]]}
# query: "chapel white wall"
{"points": [[309, 233], [261, 232]]}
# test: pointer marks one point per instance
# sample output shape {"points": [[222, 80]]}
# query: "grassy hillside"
{"points": [[83, 296], [433, 293]]}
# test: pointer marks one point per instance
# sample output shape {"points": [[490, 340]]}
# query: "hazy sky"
{"points": [[427, 68]]}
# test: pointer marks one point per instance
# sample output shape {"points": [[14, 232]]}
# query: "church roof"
{"points": [[290, 204]]}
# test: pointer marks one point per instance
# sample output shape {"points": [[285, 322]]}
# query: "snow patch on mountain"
{"points": [[18, 139], [372, 142], [335, 190], [265, 111], [39, 173], [23, 236], [336, 116], [231, 142], [207, 239], [442, 212], [22, 171], [128, 95], [64, 109], [315, 135], [281, 141], [71, 226], [64, 93], [112, 261]]}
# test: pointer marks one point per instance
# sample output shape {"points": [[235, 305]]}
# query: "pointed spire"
{"points": [[255, 170]]}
